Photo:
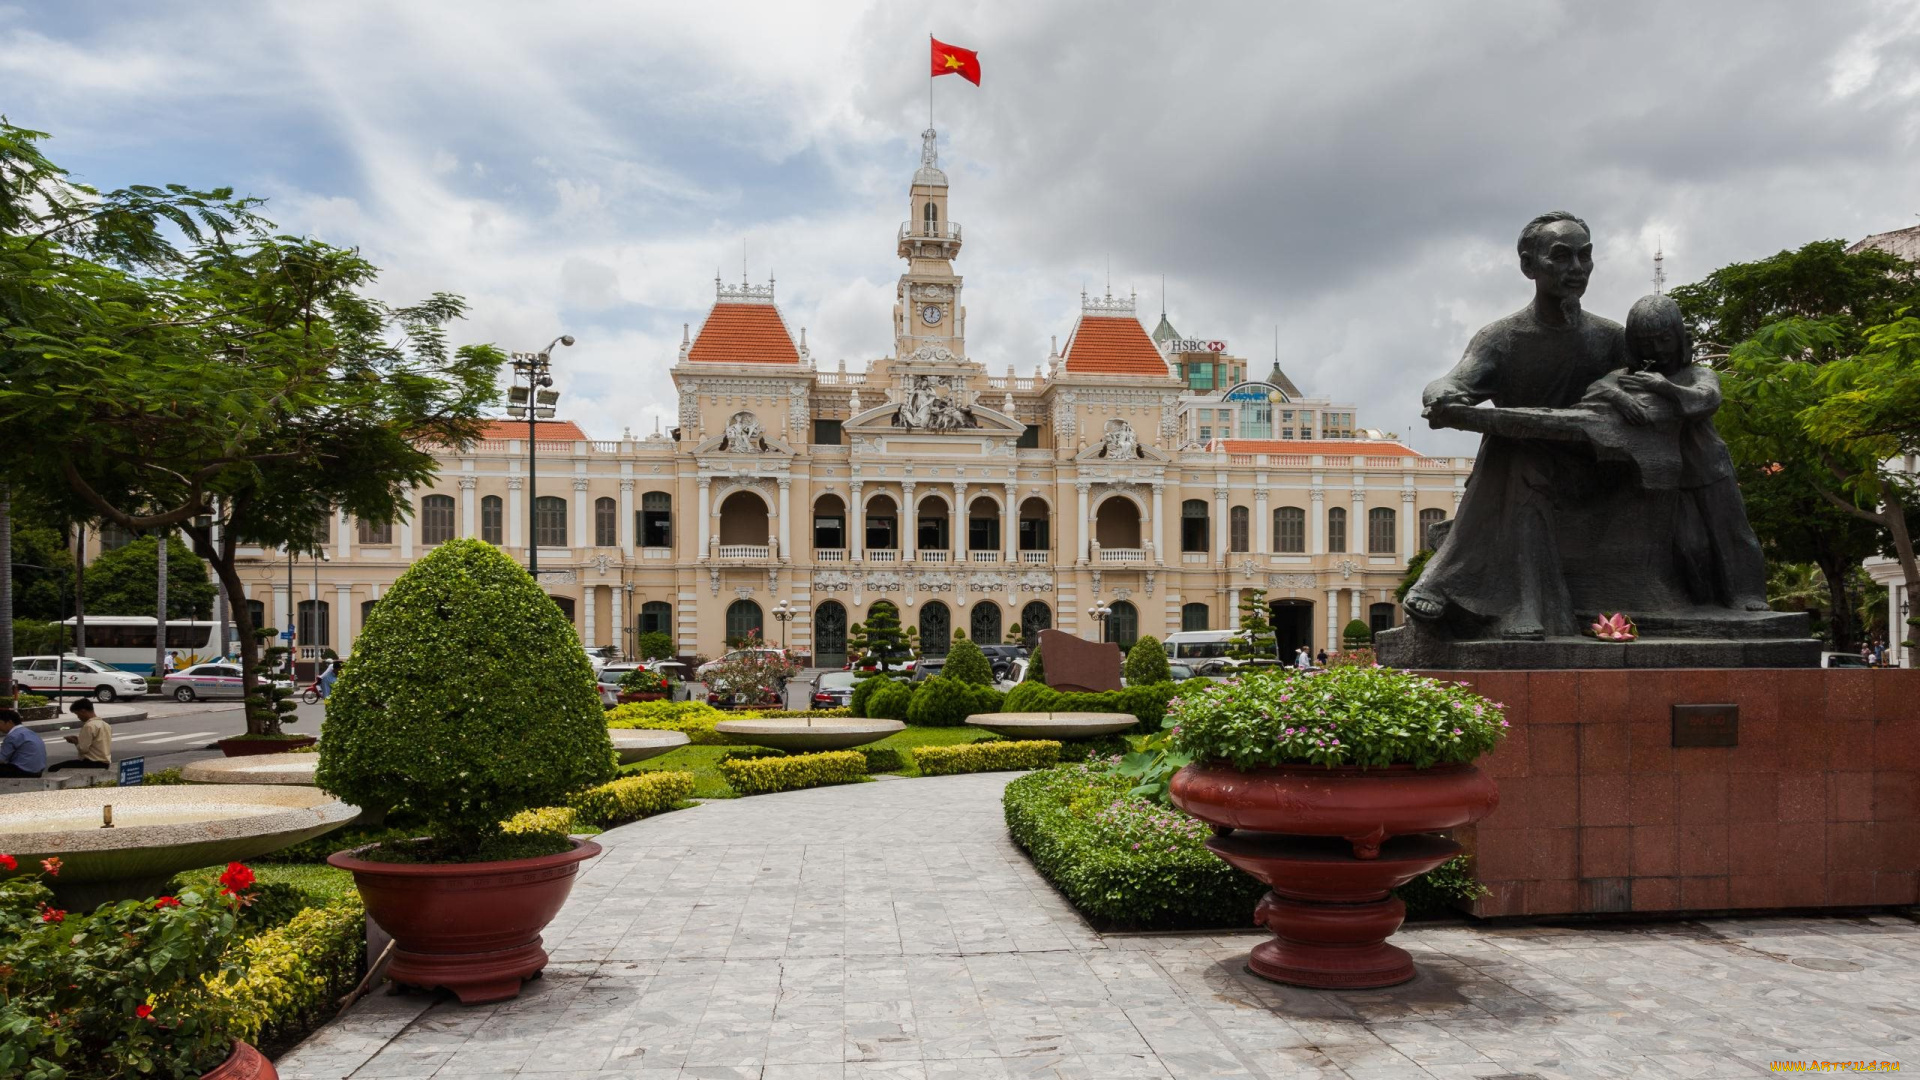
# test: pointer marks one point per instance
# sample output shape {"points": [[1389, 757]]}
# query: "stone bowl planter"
{"points": [[807, 734], [157, 832], [246, 747], [296, 769], [1053, 725], [472, 928], [639, 744], [245, 1063]]}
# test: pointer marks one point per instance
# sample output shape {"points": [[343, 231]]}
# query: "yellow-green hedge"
{"points": [[759, 776], [295, 973], [630, 797], [987, 756], [694, 718], [545, 821]]}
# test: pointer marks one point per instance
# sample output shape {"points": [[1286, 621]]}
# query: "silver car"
{"points": [[203, 682]]}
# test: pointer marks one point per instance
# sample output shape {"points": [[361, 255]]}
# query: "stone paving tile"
{"points": [[892, 931]]}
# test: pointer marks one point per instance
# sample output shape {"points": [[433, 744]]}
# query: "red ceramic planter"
{"points": [[473, 928], [245, 1063], [1330, 843], [254, 747], [626, 698]]}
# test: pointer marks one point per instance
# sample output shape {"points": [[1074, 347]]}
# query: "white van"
{"points": [[1202, 650]]}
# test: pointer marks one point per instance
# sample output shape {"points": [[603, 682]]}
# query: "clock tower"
{"points": [[926, 308]]}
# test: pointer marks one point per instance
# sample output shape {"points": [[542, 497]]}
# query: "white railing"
{"points": [[840, 378], [554, 446], [829, 554], [743, 551], [1036, 558], [932, 556], [1016, 382], [983, 556], [1386, 462], [609, 446], [1290, 459], [1123, 554], [1330, 460], [938, 230], [1196, 558], [1436, 463], [883, 555], [656, 553], [1239, 459]]}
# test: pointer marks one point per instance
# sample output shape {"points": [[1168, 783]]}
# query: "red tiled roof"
{"points": [[1318, 446], [743, 334], [1112, 345], [554, 430]]}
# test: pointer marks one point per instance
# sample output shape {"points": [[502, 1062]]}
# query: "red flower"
{"points": [[51, 866], [52, 914], [144, 1012], [236, 879], [7, 863], [165, 902]]}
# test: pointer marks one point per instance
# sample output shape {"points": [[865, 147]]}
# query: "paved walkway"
{"points": [[891, 930]]}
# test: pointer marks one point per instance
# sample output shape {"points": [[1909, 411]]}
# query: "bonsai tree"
{"points": [[967, 664], [270, 704], [1147, 663], [1357, 634], [1256, 641], [468, 700], [880, 638]]}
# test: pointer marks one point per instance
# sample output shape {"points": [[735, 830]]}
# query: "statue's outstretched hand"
{"points": [[1632, 411]]}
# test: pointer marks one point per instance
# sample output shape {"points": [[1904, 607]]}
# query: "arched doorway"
{"points": [[936, 629], [1035, 534], [985, 624], [830, 635], [1123, 626], [1292, 627], [744, 622], [1035, 617], [1117, 523], [1381, 616]]}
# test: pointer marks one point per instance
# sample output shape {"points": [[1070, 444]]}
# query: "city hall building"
{"points": [[1151, 475]]}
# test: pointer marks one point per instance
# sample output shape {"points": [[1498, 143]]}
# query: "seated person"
{"points": [[22, 754], [95, 741]]}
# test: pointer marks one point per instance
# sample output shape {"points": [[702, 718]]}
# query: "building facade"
{"points": [[998, 505]]}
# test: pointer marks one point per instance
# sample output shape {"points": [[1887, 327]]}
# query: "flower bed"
{"points": [[993, 756], [761, 776]]}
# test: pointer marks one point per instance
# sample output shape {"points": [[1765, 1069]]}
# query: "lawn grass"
{"points": [[318, 880], [704, 761]]}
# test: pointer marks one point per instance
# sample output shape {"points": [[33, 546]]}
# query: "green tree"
{"points": [[880, 638], [967, 664], [1781, 479], [655, 645], [1256, 640], [1147, 663], [123, 581], [1357, 634], [1036, 672], [169, 362]]}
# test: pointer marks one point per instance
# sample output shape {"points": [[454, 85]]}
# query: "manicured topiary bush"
{"points": [[890, 701], [988, 756], [1357, 634], [760, 776], [468, 700], [944, 702], [862, 696], [1147, 663], [1146, 703], [966, 663], [882, 759]]}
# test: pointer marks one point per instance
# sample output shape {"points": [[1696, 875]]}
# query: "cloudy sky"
{"points": [[1353, 174]]}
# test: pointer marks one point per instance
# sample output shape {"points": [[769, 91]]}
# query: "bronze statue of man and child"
{"points": [[1600, 487]]}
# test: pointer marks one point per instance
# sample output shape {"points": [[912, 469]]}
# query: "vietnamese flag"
{"points": [[954, 60]]}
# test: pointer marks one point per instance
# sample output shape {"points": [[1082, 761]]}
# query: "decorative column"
{"points": [[1318, 501], [406, 527], [786, 518], [626, 517], [1333, 620], [343, 618], [586, 616], [344, 532], [1262, 521], [1159, 522], [1358, 538], [516, 518], [1085, 526], [467, 484], [1355, 593], [581, 538], [957, 532], [1409, 524], [857, 519], [618, 622], [1233, 609], [706, 514], [1010, 526], [911, 512], [283, 600], [1220, 526]]}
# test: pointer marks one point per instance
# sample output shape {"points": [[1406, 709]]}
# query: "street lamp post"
{"points": [[783, 613], [1098, 613], [536, 402]]}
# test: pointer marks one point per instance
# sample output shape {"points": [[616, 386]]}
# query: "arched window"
{"points": [[312, 626], [1379, 531], [1033, 527], [114, 536], [376, 532], [550, 521], [936, 629], [1381, 617], [1116, 524], [744, 520], [984, 624], [257, 610], [1428, 519], [1123, 626], [606, 523], [366, 613], [1337, 529], [1290, 530], [1193, 616], [656, 617], [436, 519], [829, 524], [493, 520], [1193, 525], [1035, 617], [565, 604], [656, 520], [744, 624], [1239, 524], [930, 214]]}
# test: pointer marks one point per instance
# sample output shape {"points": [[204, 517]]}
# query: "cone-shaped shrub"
{"points": [[967, 663], [467, 699], [1147, 663]]}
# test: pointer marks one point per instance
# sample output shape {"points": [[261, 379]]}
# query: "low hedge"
{"points": [[293, 975], [761, 776], [990, 756], [694, 718], [543, 821], [631, 797], [944, 702], [882, 759], [1148, 703], [799, 714]]}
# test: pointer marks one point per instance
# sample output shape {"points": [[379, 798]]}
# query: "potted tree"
{"points": [[468, 700], [640, 684], [1348, 773]]}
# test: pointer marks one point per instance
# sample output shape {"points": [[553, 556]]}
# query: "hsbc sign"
{"points": [[1193, 345]]}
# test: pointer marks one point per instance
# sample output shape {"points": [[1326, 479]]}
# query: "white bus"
{"points": [[126, 641]]}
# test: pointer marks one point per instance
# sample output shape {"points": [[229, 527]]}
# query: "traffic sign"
{"points": [[286, 635]]}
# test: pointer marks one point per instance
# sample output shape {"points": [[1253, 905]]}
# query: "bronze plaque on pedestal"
{"points": [[1706, 725]]}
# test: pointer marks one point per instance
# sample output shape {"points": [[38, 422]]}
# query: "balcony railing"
{"points": [[1196, 558], [940, 230], [1123, 555], [933, 556], [744, 551], [656, 553], [883, 555], [983, 556], [1036, 558], [829, 554]]}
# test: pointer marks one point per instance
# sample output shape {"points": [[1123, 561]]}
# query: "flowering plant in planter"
{"points": [[1364, 716], [643, 681]]}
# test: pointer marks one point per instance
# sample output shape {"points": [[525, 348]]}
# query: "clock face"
{"points": [[930, 315]]}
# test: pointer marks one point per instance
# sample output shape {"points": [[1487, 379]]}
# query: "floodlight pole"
{"points": [[537, 368]]}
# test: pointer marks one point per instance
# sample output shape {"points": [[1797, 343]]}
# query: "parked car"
{"points": [[737, 654], [204, 682], [73, 674], [730, 697], [1843, 659], [1181, 672], [1002, 657], [927, 668], [602, 655], [832, 689]]}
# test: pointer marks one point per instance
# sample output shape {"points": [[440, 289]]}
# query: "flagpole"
{"points": [[929, 83]]}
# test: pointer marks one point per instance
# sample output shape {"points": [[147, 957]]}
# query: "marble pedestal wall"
{"points": [[1817, 806]]}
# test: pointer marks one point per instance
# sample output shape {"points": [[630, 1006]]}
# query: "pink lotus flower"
{"points": [[1614, 627]]}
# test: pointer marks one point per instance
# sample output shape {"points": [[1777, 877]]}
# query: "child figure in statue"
{"points": [[1717, 549]]}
